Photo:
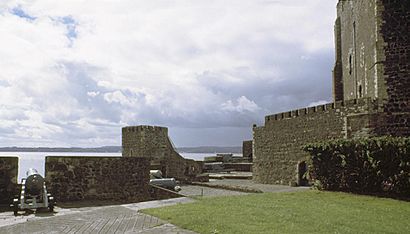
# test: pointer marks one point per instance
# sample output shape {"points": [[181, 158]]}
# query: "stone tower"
{"points": [[372, 50], [146, 141], [153, 142]]}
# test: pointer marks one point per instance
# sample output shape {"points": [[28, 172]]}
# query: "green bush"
{"points": [[371, 165]]}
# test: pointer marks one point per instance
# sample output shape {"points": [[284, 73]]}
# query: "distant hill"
{"points": [[104, 149], [117, 149]]}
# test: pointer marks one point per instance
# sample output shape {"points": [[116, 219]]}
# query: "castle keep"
{"points": [[371, 91]]}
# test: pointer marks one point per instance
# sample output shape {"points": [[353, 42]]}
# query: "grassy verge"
{"points": [[300, 212]]}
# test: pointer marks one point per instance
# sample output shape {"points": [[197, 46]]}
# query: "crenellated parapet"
{"points": [[353, 105], [142, 128]]}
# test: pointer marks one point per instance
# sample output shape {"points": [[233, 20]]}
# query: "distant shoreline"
{"points": [[117, 149]]}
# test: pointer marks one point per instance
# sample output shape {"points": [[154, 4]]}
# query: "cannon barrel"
{"points": [[34, 182], [168, 183]]}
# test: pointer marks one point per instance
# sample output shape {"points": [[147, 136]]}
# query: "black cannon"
{"points": [[33, 194], [168, 183]]}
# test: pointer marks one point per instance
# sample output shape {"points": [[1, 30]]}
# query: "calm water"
{"points": [[37, 159]]}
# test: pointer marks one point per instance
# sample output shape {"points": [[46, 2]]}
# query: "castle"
{"points": [[371, 91]]}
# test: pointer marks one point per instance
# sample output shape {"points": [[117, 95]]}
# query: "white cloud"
{"points": [[120, 98], [241, 105], [318, 103], [179, 63], [93, 93]]}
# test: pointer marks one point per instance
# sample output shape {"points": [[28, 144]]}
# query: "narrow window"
{"points": [[355, 58], [350, 64], [360, 91]]}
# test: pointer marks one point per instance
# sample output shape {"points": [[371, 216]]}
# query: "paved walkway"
{"points": [[108, 219]]}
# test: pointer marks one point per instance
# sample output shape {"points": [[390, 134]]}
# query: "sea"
{"points": [[36, 160]]}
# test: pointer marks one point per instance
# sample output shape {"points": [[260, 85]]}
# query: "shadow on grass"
{"points": [[379, 195], [383, 195]]}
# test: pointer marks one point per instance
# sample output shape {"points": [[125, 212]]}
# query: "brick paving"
{"points": [[109, 219]]}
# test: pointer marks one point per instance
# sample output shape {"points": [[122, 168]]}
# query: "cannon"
{"points": [[168, 183], [33, 194]]}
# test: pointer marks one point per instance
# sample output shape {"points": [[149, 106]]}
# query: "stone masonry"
{"points": [[153, 142], [98, 178], [8, 179], [278, 144], [370, 90], [247, 149]]}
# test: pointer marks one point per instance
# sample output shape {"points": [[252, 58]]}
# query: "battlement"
{"points": [[141, 128], [370, 91], [366, 103]]}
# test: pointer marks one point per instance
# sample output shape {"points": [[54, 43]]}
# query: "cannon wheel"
{"points": [[51, 204], [15, 208]]}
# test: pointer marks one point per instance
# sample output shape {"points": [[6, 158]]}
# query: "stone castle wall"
{"points": [[373, 58], [98, 178], [278, 144], [153, 142], [359, 50], [247, 149], [370, 89], [394, 28], [8, 179], [337, 89]]}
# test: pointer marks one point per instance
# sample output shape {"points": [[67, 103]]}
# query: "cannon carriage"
{"points": [[33, 194]]}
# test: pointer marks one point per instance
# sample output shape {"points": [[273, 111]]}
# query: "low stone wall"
{"points": [[98, 178], [185, 170], [247, 149], [8, 179], [247, 167]]}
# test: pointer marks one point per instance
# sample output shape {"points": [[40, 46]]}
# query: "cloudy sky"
{"points": [[73, 72]]}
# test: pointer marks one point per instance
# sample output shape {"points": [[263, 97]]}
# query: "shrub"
{"points": [[371, 165]]}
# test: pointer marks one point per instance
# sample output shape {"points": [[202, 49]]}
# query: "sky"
{"points": [[74, 72]]}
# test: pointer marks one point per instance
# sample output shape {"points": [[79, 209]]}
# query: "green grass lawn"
{"points": [[299, 212]]}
